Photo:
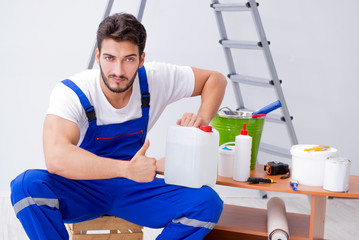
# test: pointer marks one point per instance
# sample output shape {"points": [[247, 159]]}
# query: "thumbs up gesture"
{"points": [[141, 167]]}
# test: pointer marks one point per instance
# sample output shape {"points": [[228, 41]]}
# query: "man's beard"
{"points": [[118, 90]]}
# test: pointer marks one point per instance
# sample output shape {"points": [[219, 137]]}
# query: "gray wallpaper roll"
{"points": [[277, 224]]}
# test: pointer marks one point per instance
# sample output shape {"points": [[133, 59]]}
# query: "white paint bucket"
{"points": [[308, 166], [226, 159]]}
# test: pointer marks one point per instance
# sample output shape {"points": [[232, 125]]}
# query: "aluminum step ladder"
{"points": [[238, 79], [140, 11]]}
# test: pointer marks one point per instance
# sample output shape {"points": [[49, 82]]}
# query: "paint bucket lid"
{"points": [[227, 148], [339, 160], [299, 151]]}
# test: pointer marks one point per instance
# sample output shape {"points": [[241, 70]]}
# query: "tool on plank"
{"points": [[255, 180]]}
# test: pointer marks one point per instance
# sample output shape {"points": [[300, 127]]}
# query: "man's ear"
{"points": [[142, 59], [98, 56]]}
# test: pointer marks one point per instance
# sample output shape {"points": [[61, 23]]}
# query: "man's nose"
{"points": [[119, 69]]}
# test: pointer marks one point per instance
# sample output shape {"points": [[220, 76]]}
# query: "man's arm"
{"points": [[63, 157], [211, 86]]}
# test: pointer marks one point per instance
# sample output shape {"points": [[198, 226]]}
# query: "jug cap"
{"points": [[206, 128]]}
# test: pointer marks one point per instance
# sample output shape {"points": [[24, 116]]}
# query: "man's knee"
{"points": [[212, 203], [26, 184]]}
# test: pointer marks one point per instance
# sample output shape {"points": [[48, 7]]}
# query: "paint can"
{"points": [[226, 159], [336, 175]]}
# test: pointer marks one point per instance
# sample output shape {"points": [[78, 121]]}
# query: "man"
{"points": [[95, 144]]}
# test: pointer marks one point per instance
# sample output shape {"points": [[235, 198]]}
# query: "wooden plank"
{"points": [[111, 223], [237, 220], [126, 236], [107, 223], [280, 185]]}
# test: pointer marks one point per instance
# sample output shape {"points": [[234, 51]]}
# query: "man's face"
{"points": [[119, 63]]}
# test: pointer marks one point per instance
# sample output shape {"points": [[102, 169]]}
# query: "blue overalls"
{"points": [[43, 202]]}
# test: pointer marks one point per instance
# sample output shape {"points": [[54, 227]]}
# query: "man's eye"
{"points": [[130, 59], [108, 58]]}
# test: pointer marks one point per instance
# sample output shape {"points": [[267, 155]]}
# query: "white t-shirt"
{"points": [[167, 83]]}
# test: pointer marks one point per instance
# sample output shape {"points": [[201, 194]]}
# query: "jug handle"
{"points": [[227, 143]]}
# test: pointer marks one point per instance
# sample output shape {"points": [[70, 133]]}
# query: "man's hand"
{"points": [[192, 120], [142, 168]]}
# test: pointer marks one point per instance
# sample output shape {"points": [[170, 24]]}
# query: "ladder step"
{"points": [[275, 118], [249, 80], [230, 7], [275, 150], [241, 44]]}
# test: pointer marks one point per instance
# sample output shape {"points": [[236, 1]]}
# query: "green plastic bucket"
{"points": [[229, 127]]}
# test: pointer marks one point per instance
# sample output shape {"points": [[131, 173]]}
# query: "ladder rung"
{"points": [[249, 80], [275, 150], [275, 118], [230, 7], [240, 44]]}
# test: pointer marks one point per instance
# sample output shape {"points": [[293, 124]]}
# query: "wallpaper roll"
{"points": [[277, 224]]}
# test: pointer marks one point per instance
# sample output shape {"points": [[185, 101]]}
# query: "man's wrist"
{"points": [[123, 168], [205, 120]]}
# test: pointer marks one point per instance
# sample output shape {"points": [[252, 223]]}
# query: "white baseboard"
{"points": [[4, 194]]}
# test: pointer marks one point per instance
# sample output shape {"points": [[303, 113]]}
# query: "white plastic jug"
{"points": [[191, 156]]}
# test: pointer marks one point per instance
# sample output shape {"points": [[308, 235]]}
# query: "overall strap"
{"points": [[89, 109], [145, 98], [145, 94]]}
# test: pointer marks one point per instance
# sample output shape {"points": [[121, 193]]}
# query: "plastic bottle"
{"points": [[242, 160], [191, 156]]}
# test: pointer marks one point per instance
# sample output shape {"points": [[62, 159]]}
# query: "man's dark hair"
{"points": [[122, 27]]}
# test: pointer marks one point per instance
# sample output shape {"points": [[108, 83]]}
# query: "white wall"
{"points": [[313, 44]]}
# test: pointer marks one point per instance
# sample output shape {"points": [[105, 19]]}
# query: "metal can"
{"points": [[336, 175]]}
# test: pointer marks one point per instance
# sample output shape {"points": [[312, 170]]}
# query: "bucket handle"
{"points": [[227, 143]]}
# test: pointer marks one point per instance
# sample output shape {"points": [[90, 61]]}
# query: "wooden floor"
{"points": [[341, 220]]}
